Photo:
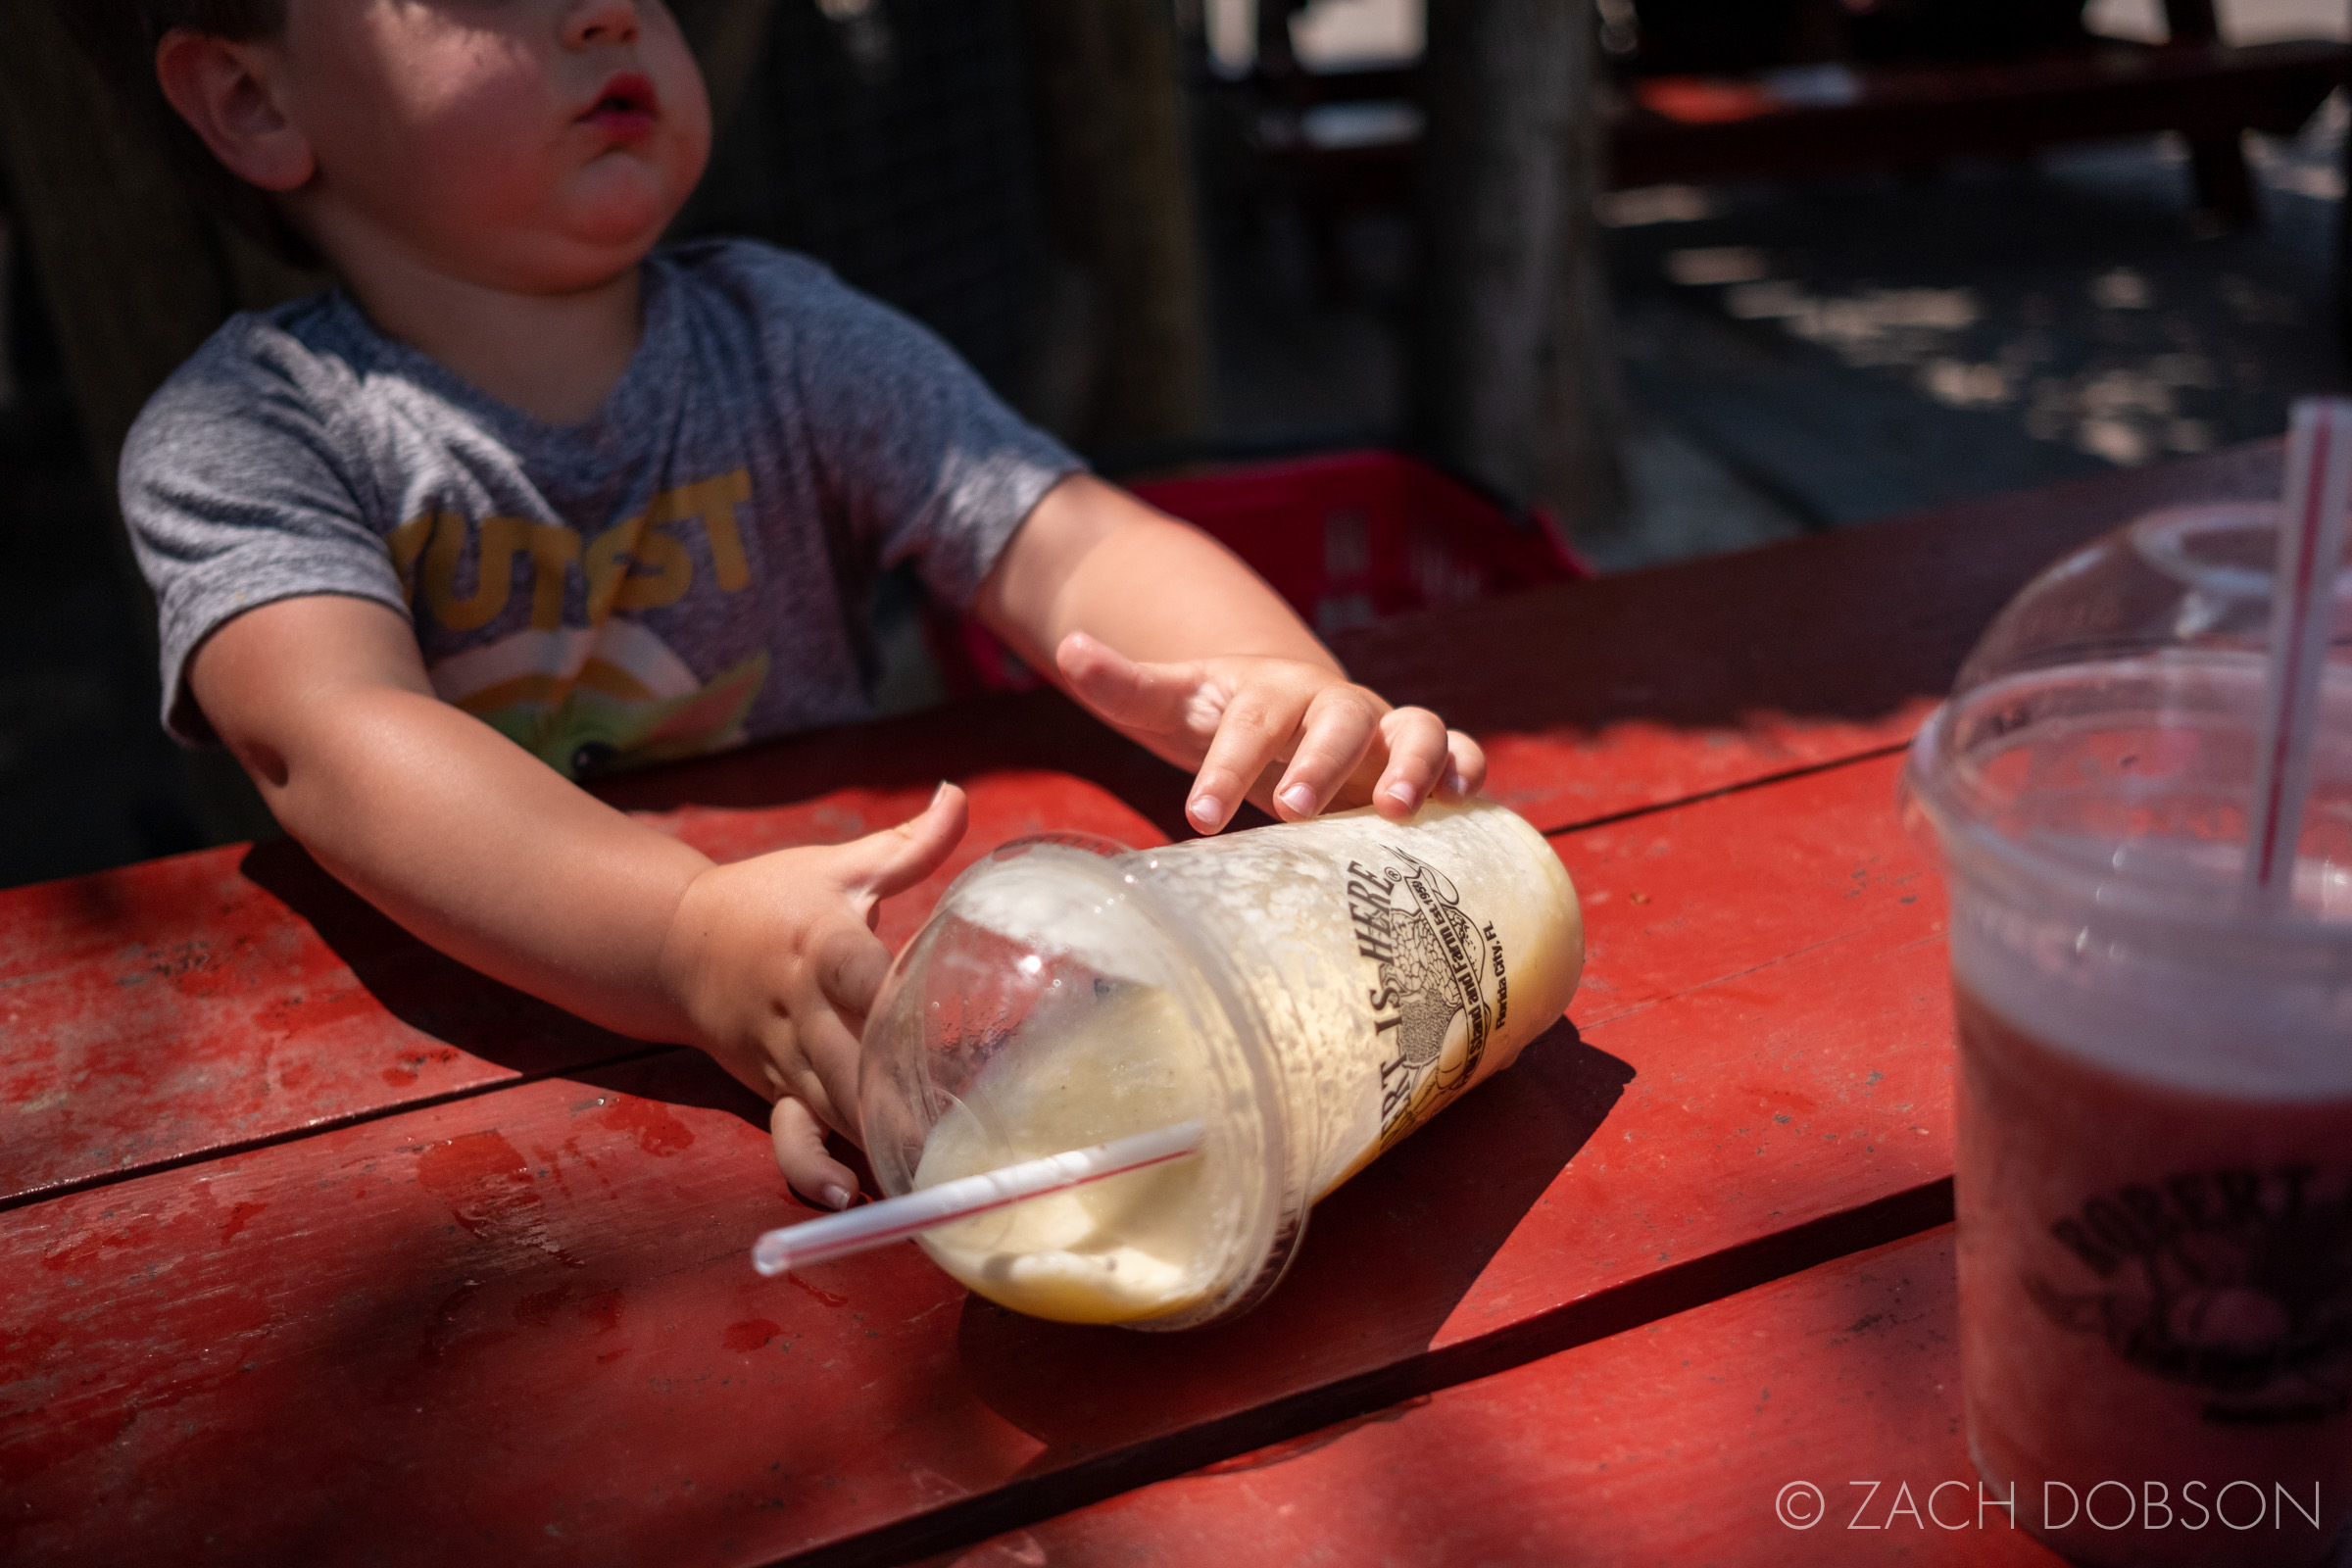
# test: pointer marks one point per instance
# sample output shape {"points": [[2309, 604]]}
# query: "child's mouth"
{"points": [[626, 108]]}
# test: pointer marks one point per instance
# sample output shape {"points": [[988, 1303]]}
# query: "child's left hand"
{"points": [[1295, 738]]}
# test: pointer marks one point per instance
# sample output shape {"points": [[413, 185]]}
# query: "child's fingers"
{"points": [[849, 964], [800, 1141], [828, 1007], [808, 1057], [1342, 723], [1418, 762], [1467, 774], [1251, 733]]}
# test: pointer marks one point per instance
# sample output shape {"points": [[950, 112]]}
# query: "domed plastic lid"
{"points": [[1047, 1008], [2101, 743]]}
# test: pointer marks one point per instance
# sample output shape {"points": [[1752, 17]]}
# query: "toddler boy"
{"points": [[524, 498]]}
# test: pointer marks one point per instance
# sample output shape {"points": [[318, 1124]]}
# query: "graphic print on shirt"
{"points": [[604, 694]]}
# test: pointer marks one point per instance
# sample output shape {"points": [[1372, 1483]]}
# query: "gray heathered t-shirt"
{"points": [[688, 569]]}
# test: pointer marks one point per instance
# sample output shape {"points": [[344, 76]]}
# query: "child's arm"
{"points": [[1172, 641], [484, 852]]}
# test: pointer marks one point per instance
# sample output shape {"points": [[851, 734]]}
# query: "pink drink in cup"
{"points": [[2154, 1178]]}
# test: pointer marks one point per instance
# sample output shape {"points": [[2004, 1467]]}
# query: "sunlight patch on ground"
{"points": [[2128, 411]]}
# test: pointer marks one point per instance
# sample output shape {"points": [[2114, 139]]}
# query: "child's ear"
{"points": [[226, 90]]}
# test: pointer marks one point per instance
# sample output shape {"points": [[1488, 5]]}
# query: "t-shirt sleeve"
{"points": [[234, 499], [922, 459]]}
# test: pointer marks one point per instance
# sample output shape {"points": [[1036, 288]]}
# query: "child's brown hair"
{"points": [[121, 37]]}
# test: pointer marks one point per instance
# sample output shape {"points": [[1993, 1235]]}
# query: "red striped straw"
{"points": [[2311, 545]]}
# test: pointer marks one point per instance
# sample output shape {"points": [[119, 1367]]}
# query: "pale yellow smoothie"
{"points": [[1120, 1249]]}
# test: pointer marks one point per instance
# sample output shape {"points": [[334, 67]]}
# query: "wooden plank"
{"points": [[1926, 113], [1593, 698], [1627, 692], [1668, 1444], [202, 1002], [522, 1329], [412, 1335], [1904, 115]]}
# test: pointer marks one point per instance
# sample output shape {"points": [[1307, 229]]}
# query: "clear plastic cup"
{"points": [[2154, 1176], [1310, 993]]}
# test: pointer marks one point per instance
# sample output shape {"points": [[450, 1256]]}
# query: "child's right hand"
{"points": [[776, 962]]}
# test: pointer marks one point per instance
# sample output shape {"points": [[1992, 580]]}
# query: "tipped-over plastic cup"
{"points": [[2154, 1176], [1307, 992]]}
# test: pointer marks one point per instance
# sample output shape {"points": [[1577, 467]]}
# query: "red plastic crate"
{"points": [[1348, 538]]}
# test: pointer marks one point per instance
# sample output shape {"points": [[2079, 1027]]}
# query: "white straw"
{"points": [[2310, 544], [894, 1219]]}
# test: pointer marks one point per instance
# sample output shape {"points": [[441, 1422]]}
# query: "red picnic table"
{"points": [[324, 1250]]}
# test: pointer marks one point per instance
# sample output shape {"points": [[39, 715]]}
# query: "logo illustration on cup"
{"points": [[1433, 963], [2237, 1283]]}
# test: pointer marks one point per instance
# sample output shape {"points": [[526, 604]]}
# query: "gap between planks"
{"points": [[1807, 770], [214, 1153]]}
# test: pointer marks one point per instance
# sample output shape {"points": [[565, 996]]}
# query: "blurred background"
{"points": [[1690, 276]]}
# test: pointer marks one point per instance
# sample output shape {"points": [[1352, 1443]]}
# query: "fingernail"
{"points": [[938, 794], [1206, 810], [1405, 794], [834, 1197], [1454, 784]]}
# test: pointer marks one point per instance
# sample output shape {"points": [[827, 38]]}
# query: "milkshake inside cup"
{"points": [[1310, 993], [2154, 1178]]}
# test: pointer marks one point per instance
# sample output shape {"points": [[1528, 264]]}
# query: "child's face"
{"points": [[533, 145]]}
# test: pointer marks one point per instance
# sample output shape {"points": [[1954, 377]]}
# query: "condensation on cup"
{"points": [[1310, 993], [2154, 1176]]}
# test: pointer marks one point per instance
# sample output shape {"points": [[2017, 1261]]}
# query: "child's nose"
{"points": [[594, 21]]}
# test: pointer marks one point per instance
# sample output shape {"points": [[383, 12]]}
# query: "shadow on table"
{"points": [[424, 988], [471, 1012], [1041, 731], [679, 1076], [1387, 1260]]}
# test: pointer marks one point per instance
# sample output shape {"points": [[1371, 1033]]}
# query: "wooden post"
{"points": [[1120, 193], [726, 36], [2216, 159], [2192, 21], [1514, 369]]}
